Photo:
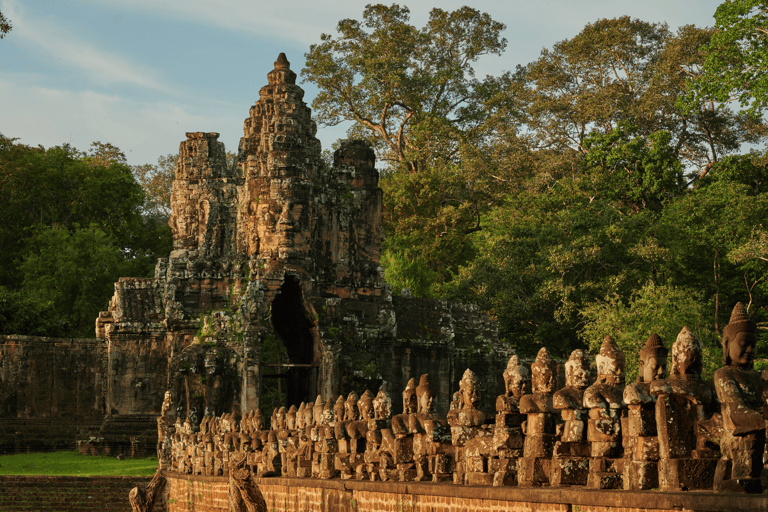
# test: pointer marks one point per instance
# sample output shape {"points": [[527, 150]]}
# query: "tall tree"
{"points": [[736, 57], [411, 91]]}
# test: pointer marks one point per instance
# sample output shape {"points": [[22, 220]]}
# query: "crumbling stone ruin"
{"points": [[273, 291], [659, 431]]}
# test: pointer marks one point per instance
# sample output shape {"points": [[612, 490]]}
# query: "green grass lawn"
{"points": [[71, 463]]}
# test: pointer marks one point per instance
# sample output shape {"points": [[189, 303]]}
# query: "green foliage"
{"points": [[659, 309], [74, 272], [72, 463], [29, 314], [736, 57], [70, 221], [410, 91]]}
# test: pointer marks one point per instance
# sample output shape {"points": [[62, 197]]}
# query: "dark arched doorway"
{"points": [[295, 327]]}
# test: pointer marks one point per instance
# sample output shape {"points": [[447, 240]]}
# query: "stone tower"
{"points": [[275, 278]]}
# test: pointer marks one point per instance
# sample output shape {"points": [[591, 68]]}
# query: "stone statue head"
{"points": [[300, 416], [290, 418], [365, 405], [577, 370], [409, 398], [611, 363], [543, 373], [257, 421], [470, 395], [425, 395], [455, 401], [273, 420], [317, 411], [653, 360], [328, 417], [338, 409], [350, 407], [739, 339], [517, 378], [167, 402], [382, 405]]}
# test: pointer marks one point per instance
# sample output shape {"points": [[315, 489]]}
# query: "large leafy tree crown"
{"points": [[737, 55], [391, 78]]}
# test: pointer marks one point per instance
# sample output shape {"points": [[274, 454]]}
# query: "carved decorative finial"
{"points": [[654, 347], [282, 62], [282, 73]]}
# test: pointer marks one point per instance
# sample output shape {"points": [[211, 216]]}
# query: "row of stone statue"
{"points": [[672, 433]]}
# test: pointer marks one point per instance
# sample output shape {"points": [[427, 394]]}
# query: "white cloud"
{"points": [[100, 65], [143, 130]]}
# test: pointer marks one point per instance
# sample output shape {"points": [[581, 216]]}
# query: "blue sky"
{"points": [[141, 73]]}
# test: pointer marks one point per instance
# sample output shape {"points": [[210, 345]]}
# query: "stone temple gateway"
{"points": [[274, 283]]}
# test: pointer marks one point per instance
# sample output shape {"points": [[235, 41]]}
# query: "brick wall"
{"points": [[209, 494], [68, 493]]}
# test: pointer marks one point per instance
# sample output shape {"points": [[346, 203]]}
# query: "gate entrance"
{"points": [[296, 330]]}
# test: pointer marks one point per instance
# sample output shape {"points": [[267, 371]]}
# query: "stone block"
{"points": [[641, 475], [606, 449], [570, 450], [474, 478], [533, 471], [601, 430], [540, 445], [645, 448], [569, 471], [641, 421], [404, 449], [476, 464], [509, 420], [687, 474], [601, 480], [540, 423]]}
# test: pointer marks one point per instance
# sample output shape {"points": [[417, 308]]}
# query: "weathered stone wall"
{"points": [[69, 493], [50, 389], [209, 494]]}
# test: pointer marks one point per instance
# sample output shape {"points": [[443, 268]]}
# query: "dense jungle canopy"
{"points": [[615, 185]]}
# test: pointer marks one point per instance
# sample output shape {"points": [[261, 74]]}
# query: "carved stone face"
{"points": [[426, 402], [741, 348], [382, 406], [470, 396], [366, 409], [654, 368], [409, 402], [577, 370]]}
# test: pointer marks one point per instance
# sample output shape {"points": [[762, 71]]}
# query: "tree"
{"points": [[411, 91], [73, 271], [61, 208], [157, 180], [623, 70], [5, 26], [736, 58]]}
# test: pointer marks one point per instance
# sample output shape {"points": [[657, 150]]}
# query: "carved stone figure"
{"points": [[604, 399], [535, 466], [739, 390], [683, 408], [641, 443], [570, 463]]}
